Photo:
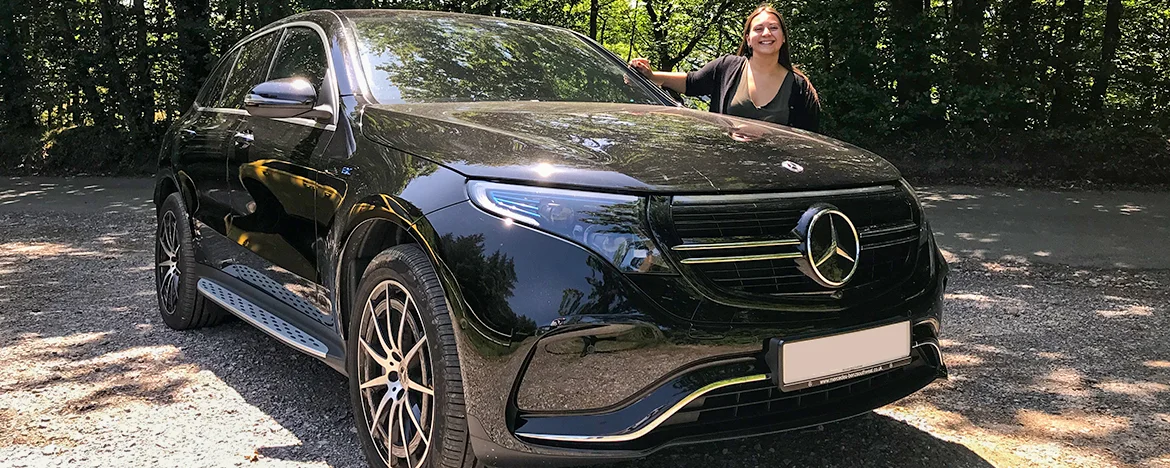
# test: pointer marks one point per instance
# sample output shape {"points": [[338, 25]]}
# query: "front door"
{"points": [[273, 184]]}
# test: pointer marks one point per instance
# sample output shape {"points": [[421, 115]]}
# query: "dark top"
{"points": [[718, 78], [775, 110]]}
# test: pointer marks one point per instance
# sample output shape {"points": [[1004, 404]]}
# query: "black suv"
{"points": [[519, 250]]}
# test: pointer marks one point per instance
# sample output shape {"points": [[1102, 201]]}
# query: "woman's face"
{"points": [[764, 36]]}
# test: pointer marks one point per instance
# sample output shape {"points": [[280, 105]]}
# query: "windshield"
{"points": [[433, 58]]}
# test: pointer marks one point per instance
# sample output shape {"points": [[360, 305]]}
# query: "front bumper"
{"points": [[569, 362]]}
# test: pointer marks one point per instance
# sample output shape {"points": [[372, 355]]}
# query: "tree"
{"points": [[670, 27], [1067, 59], [1105, 67], [17, 109], [192, 18]]}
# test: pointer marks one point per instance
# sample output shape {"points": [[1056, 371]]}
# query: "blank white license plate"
{"points": [[818, 361]]}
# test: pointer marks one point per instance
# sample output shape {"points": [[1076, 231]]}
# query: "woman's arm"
{"points": [[673, 80]]}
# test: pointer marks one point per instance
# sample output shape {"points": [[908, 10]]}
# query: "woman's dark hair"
{"points": [[785, 52]]}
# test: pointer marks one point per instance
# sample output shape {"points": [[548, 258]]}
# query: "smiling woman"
{"points": [[759, 82]]}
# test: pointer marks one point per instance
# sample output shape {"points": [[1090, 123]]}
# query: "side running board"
{"points": [[262, 319]]}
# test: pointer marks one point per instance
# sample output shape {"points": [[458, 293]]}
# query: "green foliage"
{"points": [[966, 89]]}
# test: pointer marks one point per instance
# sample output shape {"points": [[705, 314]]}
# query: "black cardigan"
{"points": [[717, 77]]}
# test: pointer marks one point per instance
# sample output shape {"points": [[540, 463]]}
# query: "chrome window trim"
{"points": [[330, 80], [759, 197], [291, 120], [656, 421]]}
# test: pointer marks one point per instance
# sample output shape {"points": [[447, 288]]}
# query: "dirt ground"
{"points": [[1051, 365]]}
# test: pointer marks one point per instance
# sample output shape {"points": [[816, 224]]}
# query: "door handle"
{"points": [[243, 139]]}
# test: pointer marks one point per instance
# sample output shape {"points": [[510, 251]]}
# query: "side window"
{"points": [[301, 55], [250, 69], [213, 87]]}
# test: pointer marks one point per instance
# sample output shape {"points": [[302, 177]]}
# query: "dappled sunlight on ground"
{"points": [[1070, 370], [101, 378], [76, 194]]}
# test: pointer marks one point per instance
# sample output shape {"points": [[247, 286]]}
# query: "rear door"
{"points": [[202, 140], [274, 184]]}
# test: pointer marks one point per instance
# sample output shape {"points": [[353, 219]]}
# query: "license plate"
{"points": [[818, 361]]}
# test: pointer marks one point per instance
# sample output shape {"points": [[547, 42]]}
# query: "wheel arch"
{"points": [[163, 188], [365, 240]]}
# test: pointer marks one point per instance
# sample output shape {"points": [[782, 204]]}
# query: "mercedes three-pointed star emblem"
{"points": [[829, 245]]}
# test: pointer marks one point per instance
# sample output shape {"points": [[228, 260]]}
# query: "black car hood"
{"points": [[618, 147]]}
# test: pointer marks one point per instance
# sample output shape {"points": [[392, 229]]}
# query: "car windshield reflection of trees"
{"points": [[415, 60]]}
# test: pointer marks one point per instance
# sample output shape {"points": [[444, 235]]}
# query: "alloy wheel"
{"points": [[395, 375], [167, 262]]}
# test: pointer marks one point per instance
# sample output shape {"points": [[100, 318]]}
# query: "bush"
{"points": [[18, 150]]}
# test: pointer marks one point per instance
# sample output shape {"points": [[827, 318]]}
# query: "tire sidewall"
{"points": [[184, 312], [397, 269]]}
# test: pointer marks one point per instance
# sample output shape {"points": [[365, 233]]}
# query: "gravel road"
{"points": [[1052, 365]]}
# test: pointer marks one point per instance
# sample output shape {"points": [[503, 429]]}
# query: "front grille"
{"points": [[745, 246]]}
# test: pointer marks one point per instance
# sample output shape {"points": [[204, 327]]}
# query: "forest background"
{"points": [[1030, 92]]}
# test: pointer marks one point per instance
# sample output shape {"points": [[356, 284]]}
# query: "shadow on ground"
{"points": [[1050, 365]]}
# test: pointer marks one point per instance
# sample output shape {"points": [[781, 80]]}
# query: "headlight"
{"points": [[610, 225]]}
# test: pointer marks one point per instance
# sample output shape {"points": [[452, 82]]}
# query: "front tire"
{"points": [[176, 284], [406, 388]]}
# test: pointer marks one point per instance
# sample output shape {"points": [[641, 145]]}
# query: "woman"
{"points": [[759, 82]]}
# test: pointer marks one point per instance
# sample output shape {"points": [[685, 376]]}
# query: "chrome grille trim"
{"points": [[740, 258], [878, 245], [736, 245], [888, 230], [651, 424], [763, 197]]}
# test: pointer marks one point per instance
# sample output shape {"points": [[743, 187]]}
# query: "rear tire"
{"points": [[175, 281], [401, 347]]}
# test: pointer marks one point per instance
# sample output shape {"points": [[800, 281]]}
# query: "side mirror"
{"points": [[286, 97]]}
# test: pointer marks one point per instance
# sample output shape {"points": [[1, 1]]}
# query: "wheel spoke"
{"points": [[382, 361], [414, 419], [380, 380], [166, 264], [168, 281], [168, 235], [377, 328], [419, 387], [378, 419], [414, 350], [173, 237], [402, 323], [402, 432]]}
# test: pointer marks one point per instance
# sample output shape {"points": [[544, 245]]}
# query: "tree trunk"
{"points": [[1067, 58], [969, 28], [16, 82], [115, 72], [1018, 64], [594, 10], [909, 37], [144, 88], [1109, 42], [658, 34], [81, 73], [194, 47]]}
